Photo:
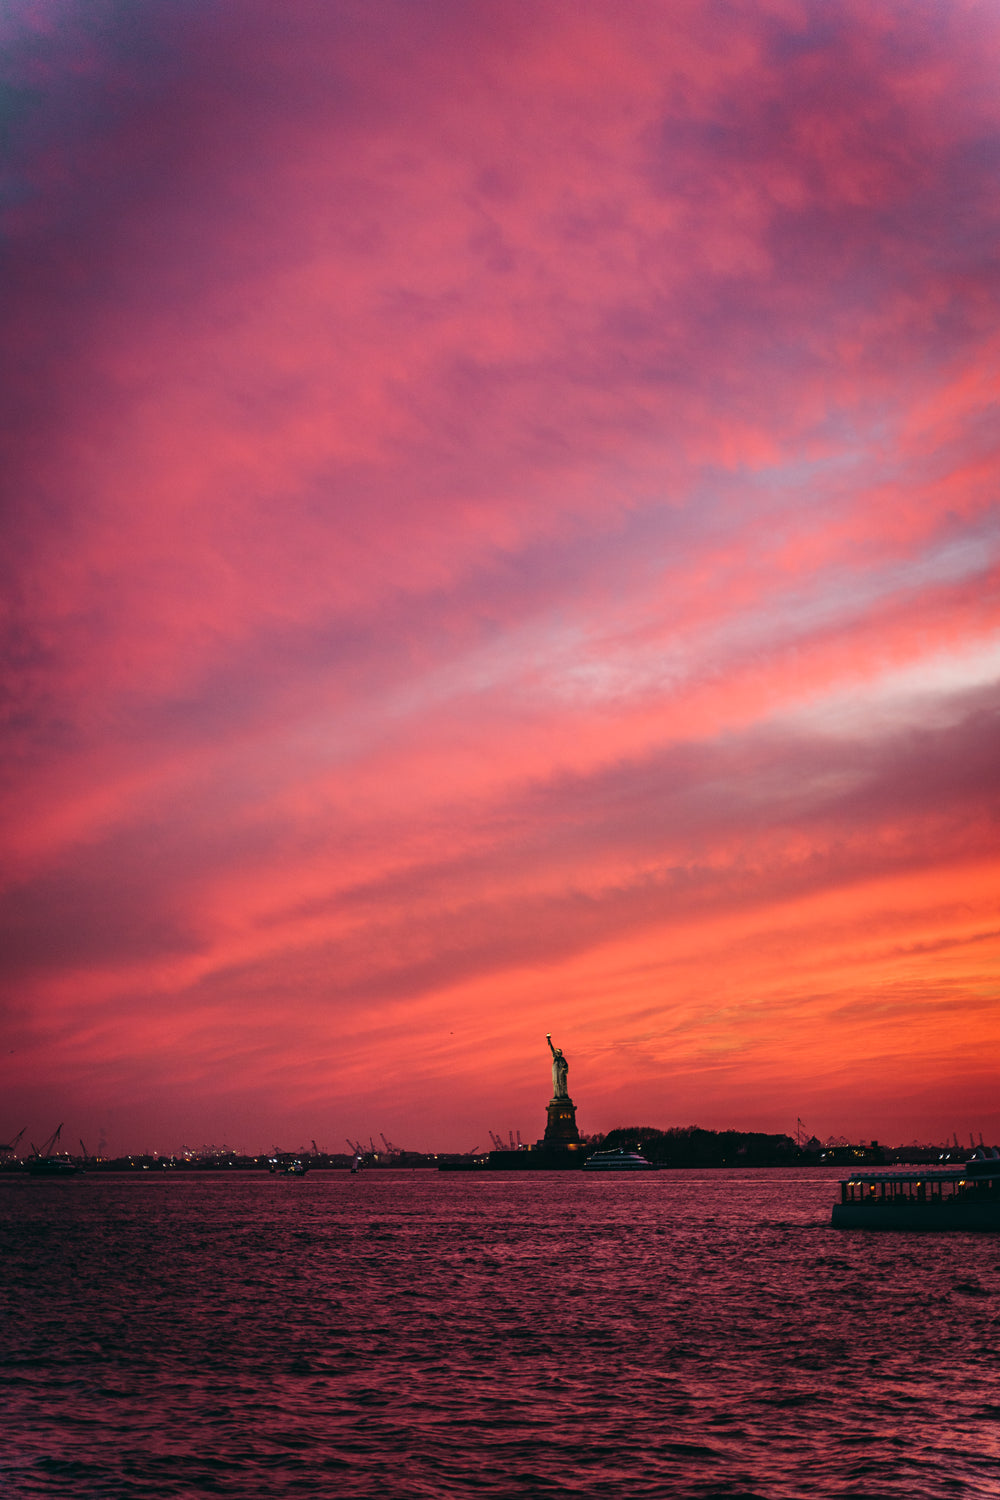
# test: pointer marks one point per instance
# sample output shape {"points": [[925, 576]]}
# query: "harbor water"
{"points": [[416, 1334]]}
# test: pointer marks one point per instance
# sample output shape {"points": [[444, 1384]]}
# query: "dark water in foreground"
{"points": [[414, 1334]]}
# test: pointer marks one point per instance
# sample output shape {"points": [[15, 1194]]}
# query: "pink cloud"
{"points": [[460, 464]]}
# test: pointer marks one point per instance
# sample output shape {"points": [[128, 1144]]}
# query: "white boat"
{"points": [[617, 1161], [935, 1198]]}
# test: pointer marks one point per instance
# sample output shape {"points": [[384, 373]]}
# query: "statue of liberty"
{"points": [[560, 1072]]}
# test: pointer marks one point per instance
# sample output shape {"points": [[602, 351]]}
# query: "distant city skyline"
{"points": [[501, 537], [380, 1151]]}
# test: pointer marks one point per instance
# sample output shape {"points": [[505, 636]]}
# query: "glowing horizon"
{"points": [[501, 538]]}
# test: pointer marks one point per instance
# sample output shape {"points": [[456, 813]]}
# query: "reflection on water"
{"points": [[429, 1335]]}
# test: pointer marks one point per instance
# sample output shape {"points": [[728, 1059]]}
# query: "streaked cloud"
{"points": [[501, 536]]}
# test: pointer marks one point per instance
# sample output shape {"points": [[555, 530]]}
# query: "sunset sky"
{"points": [[501, 536]]}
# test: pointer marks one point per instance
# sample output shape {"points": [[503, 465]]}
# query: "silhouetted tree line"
{"points": [[690, 1146]]}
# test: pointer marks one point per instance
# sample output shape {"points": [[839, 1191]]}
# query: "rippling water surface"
{"points": [[421, 1334]]}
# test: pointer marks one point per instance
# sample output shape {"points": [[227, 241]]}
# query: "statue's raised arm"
{"points": [[560, 1071]]}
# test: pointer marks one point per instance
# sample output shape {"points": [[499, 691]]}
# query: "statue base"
{"points": [[561, 1128]]}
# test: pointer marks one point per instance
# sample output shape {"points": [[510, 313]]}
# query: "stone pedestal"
{"points": [[561, 1127]]}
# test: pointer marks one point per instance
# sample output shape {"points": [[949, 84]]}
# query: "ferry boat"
{"points": [[617, 1161], [52, 1166], [48, 1162], [287, 1164], [935, 1198]]}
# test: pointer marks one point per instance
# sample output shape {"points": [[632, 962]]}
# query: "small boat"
{"points": [[934, 1198], [617, 1161]]}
